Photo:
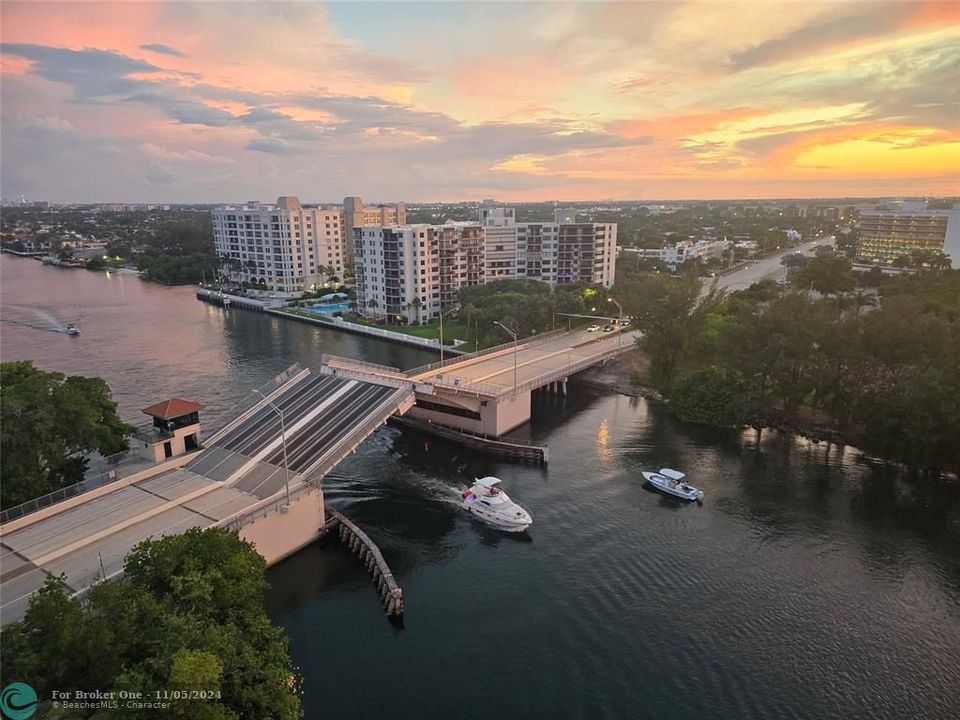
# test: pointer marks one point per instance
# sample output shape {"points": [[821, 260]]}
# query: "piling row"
{"points": [[517, 452], [391, 595]]}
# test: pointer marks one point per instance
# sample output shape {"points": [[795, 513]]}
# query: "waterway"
{"points": [[810, 584]]}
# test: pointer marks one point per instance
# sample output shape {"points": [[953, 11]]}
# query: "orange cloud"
{"points": [[679, 126]]}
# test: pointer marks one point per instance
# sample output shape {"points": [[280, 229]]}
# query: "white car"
{"points": [[593, 328]]}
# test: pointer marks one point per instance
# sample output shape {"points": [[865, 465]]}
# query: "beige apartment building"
{"points": [[356, 214], [285, 248], [412, 273]]}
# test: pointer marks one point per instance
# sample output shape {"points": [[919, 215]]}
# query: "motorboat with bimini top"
{"points": [[671, 482], [490, 503], [71, 329]]}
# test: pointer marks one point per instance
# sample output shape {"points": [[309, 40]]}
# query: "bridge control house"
{"points": [[175, 429]]}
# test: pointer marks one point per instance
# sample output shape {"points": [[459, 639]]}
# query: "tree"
{"points": [[415, 305], [862, 299], [48, 423], [713, 396], [670, 313], [827, 274], [187, 614]]}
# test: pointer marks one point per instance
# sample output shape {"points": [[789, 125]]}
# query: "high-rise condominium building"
{"points": [[356, 214], [285, 247], [554, 252], [885, 235], [413, 272]]}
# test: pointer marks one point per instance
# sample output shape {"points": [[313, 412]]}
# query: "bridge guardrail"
{"points": [[250, 400], [319, 469], [328, 359], [496, 348], [581, 364]]}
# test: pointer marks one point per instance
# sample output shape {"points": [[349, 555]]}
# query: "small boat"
{"points": [[491, 504], [671, 482], [71, 329]]}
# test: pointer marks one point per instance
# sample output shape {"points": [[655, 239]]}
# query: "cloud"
{"points": [[158, 174], [92, 73], [272, 146], [868, 21], [162, 49]]}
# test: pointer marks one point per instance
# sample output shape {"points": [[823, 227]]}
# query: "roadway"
{"points": [[534, 360], [768, 267], [238, 470]]}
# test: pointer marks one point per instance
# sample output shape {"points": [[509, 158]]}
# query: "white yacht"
{"points": [[671, 482], [488, 502]]}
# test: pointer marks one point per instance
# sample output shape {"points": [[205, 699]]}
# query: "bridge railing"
{"points": [[340, 361], [567, 370], [43, 501], [451, 382], [318, 470], [522, 342], [249, 401]]}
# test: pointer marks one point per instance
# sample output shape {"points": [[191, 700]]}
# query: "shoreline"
{"points": [[620, 375]]}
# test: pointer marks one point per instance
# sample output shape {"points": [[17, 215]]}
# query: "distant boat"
{"points": [[671, 482], [71, 329]]}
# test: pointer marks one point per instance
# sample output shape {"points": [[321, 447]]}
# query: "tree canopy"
{"points": [[48, 423], [186, 615], [180, 251], [887, 380]]}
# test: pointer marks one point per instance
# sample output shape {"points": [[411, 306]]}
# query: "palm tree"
{"points": [[415, 305], [941, 262]]}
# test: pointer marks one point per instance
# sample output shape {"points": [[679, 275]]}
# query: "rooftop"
{"points": [[172, 408]]}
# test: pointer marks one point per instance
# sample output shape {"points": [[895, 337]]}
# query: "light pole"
{"points": [[619, 326], [514, 335], [283, 439]]}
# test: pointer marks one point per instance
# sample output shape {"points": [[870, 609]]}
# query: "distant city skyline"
{"points": [[180, 102]]}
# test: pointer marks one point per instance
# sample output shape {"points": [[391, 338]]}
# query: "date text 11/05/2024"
{"points": [[154, 695]]}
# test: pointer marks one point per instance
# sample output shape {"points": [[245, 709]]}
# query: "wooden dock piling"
{"points": [[391, 595]]}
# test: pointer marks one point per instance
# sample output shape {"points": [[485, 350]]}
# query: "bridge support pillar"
{"points": [[563, 384]]}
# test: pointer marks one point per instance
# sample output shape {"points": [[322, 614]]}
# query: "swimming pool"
{"points": [[327, 308]]}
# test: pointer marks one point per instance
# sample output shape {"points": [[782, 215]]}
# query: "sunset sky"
{"points": [[227, 101]]}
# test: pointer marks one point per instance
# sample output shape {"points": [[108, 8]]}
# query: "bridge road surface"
{"points": [[239, 469], [534, 359]]}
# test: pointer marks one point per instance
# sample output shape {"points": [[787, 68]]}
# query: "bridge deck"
{"points": [[535, 361], [241, 469]]}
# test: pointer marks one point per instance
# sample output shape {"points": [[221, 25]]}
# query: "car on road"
{"points": [[609, 328], [593, 328], [623, 322]]}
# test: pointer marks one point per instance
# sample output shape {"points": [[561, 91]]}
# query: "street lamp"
{"points": [[514, 335], [283, 439], [619, 306], [619, 326]]}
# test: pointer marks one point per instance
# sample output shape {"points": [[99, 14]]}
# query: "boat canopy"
{"points": [[488, 481], [674, 474]]}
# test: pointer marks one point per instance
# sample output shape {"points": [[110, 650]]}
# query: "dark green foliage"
{"points": [[180, 251], [671, 314], [884, 374], [187, 614], [712, 396], [525, 306], [48, 423], [827, 274]]}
